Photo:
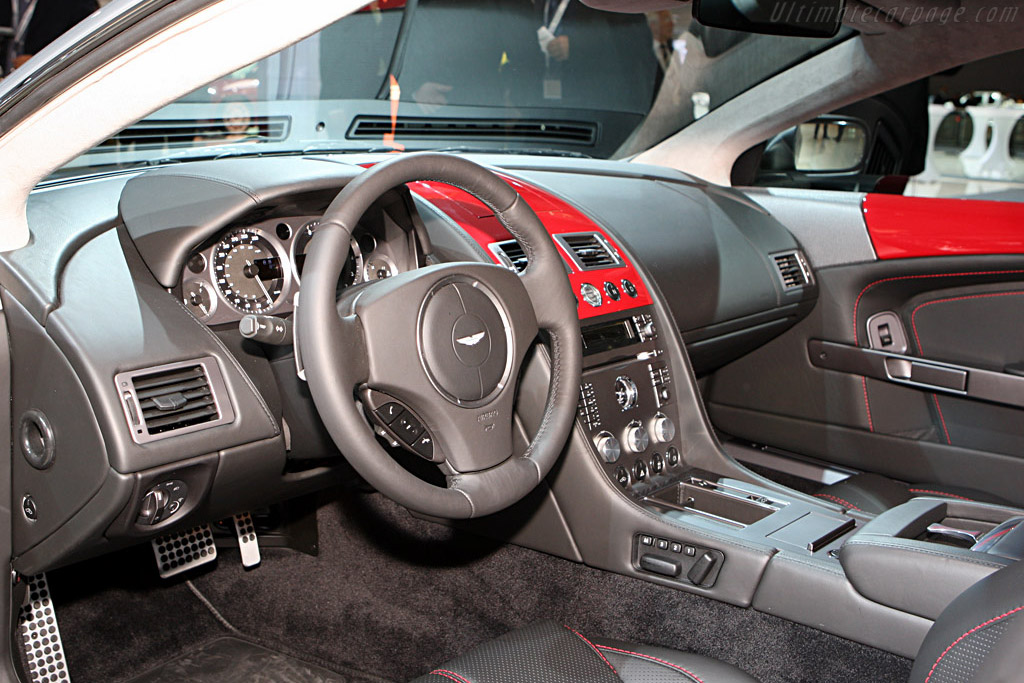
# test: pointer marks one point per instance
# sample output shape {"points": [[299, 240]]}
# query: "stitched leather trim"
{"points": [[654, 659], [449, 675], [841, 501], [967, 633], [941, 493], [592, 647]]}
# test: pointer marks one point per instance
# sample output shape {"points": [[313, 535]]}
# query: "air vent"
{"points": [[174, 399], [511, 255], [589, 250], [793, 269], [176, 133], [447, 129]]}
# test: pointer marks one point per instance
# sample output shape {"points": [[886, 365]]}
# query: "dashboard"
{"points": [[257, 268], [182, 253]]}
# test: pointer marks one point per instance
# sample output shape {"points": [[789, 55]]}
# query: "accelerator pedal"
{"points": [[40, 636], [183, 550], [247, 544]]}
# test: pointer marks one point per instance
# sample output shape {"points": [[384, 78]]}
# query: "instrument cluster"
{"points": [[258, 268]]}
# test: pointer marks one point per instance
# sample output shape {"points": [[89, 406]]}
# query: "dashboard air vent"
{"points": [[174, 399], [176, 133], [793, 269], [589, 250], [511, 255], [518, 130]]}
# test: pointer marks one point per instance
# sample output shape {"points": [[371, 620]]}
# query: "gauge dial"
{"points": [[249, 273], [351, 274], [379, 267], [199, 299]]}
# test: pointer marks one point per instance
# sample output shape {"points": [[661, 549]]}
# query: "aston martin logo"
{"points": [[471, 339]]}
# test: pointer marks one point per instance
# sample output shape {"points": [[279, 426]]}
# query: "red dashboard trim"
{"points": [[558, 217], [914, 227]]}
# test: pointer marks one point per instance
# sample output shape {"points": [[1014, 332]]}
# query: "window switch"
{"points": [[884, 335]]}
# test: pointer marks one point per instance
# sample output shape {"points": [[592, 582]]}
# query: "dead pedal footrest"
{"points": [[178, 552], [247, 544], [40, 636]]}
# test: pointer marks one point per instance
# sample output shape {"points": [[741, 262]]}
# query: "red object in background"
{"points": [[383, 5], [913, 227], [558, 217]]}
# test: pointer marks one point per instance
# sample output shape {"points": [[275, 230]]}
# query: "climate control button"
{"points": [[663, 428], [626, 393], [637, 439], [608, 447], [640, 470]]}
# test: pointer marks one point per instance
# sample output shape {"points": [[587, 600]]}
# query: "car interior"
{"points": [[452, 411]]}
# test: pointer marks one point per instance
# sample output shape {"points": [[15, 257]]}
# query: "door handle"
{"points": [[920, 373]]}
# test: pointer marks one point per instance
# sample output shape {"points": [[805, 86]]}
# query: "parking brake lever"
{"points": [[959, 534]]}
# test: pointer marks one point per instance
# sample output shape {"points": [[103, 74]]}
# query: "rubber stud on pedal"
{"points": [[247, 544], [40, 636], [181, 551]]}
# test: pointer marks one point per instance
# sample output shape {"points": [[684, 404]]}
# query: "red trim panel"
{"points": [[912, 227], [558, 217]]}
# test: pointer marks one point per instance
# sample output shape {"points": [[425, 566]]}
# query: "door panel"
{"points": [[965, 310]]}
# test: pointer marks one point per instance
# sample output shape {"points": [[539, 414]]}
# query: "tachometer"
{"points": [[353, 266], [248, 271]]}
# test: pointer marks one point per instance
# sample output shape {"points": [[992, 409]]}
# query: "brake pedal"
{"points": [[40, 636], [247, 543], [178, 552]]}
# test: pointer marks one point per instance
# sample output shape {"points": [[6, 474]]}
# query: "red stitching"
{"points": [[941, 493], [976, 628], [839, 500], [856, 304], [654, 659], [913, 315], [942, 419], [449, 674], [594, 648], [867, 403]]}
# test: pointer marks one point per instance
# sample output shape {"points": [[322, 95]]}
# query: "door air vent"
{"points": [[511, 255], [793, 269], [177, 133], [517, 130], [174, 399], [589, 250]]}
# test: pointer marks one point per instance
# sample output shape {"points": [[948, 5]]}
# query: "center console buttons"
{"points": [[637, 439], [663, 428], [612, 291], [607, 447], [672, 456], [657, 464], [622, 476], [626, 392], [629, 288], [640, 470]]}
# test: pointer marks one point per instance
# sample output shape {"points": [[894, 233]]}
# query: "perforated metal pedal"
{"points": [[40, 636], [247, 544], [181, 551]]}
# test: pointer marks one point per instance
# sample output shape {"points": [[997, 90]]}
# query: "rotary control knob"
{"points": [[647, 330], [663, 428], [154, 502], [626, 392], [608, 447], [637, 439]]}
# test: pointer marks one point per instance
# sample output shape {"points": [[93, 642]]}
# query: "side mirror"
{"points": [[805, 18], [829, 144]]}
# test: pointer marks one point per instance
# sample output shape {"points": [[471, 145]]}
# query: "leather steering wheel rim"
{"points": [[339, 338]]}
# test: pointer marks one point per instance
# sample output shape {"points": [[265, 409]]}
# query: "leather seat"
{"points": [[875, 494], [548, 652], [976, 639]]}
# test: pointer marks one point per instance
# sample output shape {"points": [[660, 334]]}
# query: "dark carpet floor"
{"points": [[392, 596]]}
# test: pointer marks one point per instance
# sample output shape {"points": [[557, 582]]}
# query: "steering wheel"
{"points": [[445, 341]]}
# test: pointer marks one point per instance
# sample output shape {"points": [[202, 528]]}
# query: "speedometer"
{"points": [[248, 271]]}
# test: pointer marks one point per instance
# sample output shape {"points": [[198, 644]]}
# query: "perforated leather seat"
{"points": [[548, 652], [977, 639], [875, 494]]}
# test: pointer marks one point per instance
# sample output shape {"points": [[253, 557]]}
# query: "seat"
{"points": [[976, 639], [875, 494], [548, 652]]}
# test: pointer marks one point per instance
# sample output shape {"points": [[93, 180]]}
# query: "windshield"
{"points": [[512, 76]]}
